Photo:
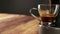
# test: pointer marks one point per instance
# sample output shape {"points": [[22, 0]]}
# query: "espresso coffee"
{"points": [[46, 16], [47, 19]]}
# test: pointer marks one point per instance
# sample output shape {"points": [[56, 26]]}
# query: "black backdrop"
{"points": [[19, 6]]}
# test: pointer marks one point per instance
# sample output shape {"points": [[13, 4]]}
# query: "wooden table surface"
{"points": [[18, 24]]}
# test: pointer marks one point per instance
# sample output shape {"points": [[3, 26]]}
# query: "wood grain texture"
{"points": [[18, 24]]}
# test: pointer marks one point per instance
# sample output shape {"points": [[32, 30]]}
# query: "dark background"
{"points": [[19, 6], [23, 7]]}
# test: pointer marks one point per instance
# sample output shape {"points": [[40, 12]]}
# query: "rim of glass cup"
{"points": [[48, 4]]}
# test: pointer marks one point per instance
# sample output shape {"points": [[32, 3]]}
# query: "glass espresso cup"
{"points": [[47, 13]]}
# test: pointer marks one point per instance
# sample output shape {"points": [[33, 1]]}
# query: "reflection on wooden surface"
{"points": [[18, 24]]}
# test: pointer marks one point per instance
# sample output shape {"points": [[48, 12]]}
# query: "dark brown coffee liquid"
{"points": [[47, 19]]}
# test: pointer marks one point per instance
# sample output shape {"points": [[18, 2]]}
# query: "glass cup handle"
{"points": [[33, 14], [56, 9]]}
